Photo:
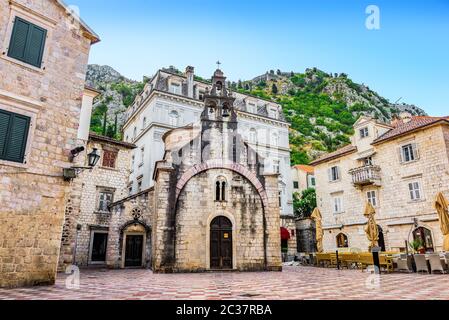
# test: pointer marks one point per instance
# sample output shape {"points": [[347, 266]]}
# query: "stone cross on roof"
{"points": [[218, 64]]}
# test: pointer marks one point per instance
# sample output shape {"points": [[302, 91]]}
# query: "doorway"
{"points": [[424, 236], [98, 248], [221, 243], [134, 250]]}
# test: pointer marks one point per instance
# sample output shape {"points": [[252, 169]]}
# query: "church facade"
{"points": [[213, 206], [172, 99]]}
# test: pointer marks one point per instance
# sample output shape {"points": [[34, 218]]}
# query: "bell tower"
{"points": [[219, 136], [219, 103]]}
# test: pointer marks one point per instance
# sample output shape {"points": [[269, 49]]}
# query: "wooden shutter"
{"points": [[27, 42], [401, 155], [35, 47], [329, 174], [13, 136], [415, 151], [19, 38]]}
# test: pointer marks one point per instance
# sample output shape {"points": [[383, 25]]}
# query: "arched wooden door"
{"points": [[221, 243]]}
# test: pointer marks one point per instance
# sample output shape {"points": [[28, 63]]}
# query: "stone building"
{"points": [[303, 177], [43, 62], [212, 205], [172, 100], [86, 232], [399, 168]]}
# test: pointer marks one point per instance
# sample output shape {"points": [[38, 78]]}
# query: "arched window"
{"points": [[174, 118], [220, 189], [342, 241], [253, 136]]}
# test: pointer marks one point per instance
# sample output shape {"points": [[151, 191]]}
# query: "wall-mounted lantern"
{"points": [[92, 161]]}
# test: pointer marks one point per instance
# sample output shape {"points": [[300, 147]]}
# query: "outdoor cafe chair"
{"points": [[435, 263], [421, 263], [403, 265]]}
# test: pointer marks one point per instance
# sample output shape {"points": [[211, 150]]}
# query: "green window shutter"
{"points": [[4, 125], [35, 47], [27, 42], [19, 38], [14, 135]]}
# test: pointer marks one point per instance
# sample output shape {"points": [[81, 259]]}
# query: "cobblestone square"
{"points": [[294, 283]]}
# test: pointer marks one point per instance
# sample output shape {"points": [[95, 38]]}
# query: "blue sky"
{"points": [[407, 58]]}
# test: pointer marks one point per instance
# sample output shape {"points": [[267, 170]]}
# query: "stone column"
{"points": [[273, 225], [163, 248]]}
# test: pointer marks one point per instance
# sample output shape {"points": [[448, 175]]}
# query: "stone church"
{"points": [[212, 207]]}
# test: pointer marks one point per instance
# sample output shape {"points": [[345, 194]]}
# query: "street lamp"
{"points": [[92, 161]]}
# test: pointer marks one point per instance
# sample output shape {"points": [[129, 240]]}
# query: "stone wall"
{"points": [[82, 212], [33, 194]]}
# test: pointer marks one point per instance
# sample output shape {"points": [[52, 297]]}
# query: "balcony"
{"points": [[366, 175]]}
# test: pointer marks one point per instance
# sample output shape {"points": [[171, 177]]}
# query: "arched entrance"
{"points": [[381, 238], [221, 243], [424, 236]]}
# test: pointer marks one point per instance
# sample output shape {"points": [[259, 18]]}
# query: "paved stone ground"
{"points": [[292, 283]]}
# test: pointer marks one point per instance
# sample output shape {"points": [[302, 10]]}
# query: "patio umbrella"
{"points": [[316, 215], [371, 230], [441, 205]]}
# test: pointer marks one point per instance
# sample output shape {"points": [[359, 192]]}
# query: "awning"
{"points": [[365, 154], [285, 234]]}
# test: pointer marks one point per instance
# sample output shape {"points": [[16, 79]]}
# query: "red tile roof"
{"points": [[305, 168], [401, 127], [94, 136], [348, 149]]}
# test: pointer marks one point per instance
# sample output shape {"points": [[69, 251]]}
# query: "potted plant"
{"points": [[417, 246]]}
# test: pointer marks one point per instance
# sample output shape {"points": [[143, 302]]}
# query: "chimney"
{"points": [[406, 117], [190, 75]]}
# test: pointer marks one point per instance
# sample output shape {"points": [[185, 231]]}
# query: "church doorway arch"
{"points": [[221, 243]]}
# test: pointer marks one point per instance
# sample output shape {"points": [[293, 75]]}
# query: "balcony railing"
{"points": [[365, 175]]}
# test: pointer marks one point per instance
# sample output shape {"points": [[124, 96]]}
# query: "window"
{"points": [[415, 191], [105, 198], [142, 156], [280, 199], [139, 186], [338, 205], [334, 174], [109, 158], [144, 123], [175, 88], [174, 118], [311, 181], [135, 133], [220, 189], [27, 42], [342, 241], [368, 161], [409, 153], [372, 197], [364, 132], [201, 95], [253, 136], [130, 190], [276, 166], [13, 136], [133, 161], [295, 185]]}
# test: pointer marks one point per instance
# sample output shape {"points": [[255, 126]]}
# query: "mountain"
{"points": [[118, 93], [321, 107]]}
